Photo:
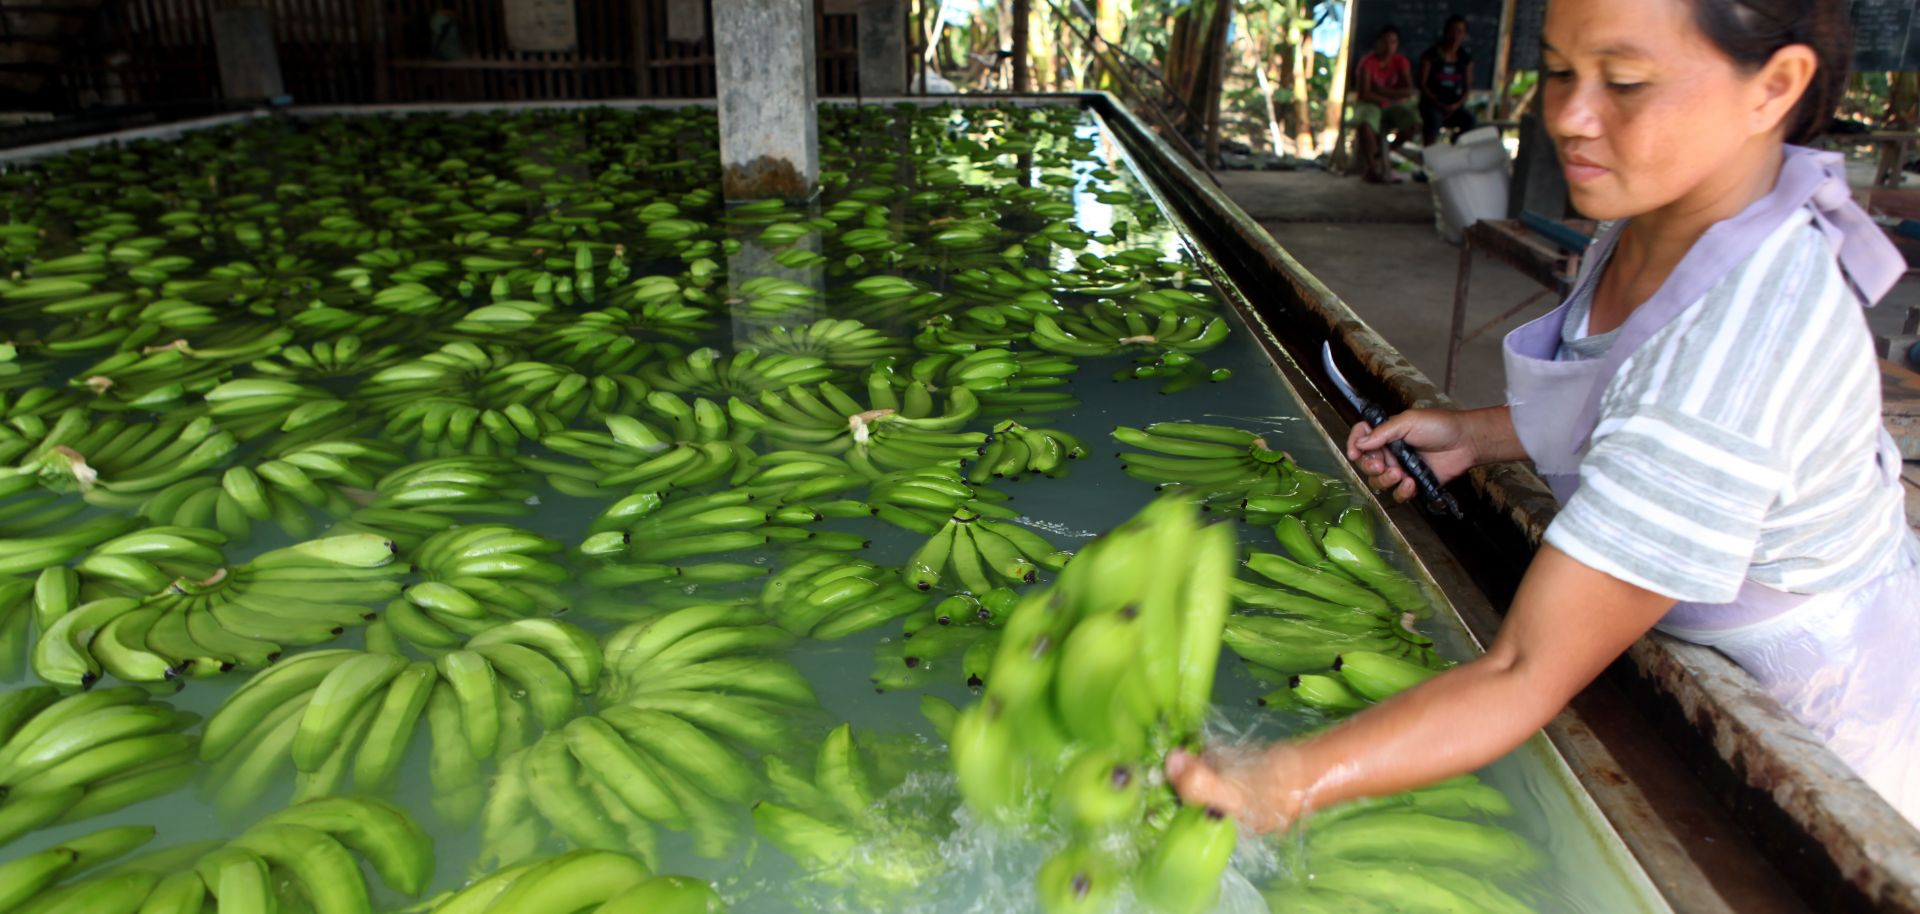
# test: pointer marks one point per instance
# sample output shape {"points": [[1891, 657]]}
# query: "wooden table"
{"points": [[1896, 146], [1537, 258]]}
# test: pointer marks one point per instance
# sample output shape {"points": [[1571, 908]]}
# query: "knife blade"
{"points": [[1432, 495]]}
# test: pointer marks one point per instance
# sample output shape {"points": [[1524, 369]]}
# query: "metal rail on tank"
{"points": [[1671, 719]]}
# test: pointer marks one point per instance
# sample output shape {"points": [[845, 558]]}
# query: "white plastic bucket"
{"points": [[1469, 180]]}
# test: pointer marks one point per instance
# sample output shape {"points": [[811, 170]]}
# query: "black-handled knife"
{"points": [[1435, 498]]}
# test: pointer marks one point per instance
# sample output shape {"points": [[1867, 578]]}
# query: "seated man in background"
{"points": [[1386, 104]]}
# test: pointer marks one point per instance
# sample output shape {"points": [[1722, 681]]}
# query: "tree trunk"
{"points": [[1303, 64], [1022, 14], [1337, 93], [1216, 58]]}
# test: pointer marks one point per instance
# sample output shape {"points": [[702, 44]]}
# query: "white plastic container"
{"points": [[1469, 180]]}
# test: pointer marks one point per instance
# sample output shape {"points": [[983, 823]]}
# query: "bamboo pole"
{"points": [[1217, 60]]}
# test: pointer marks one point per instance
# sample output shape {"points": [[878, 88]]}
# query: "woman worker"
{"points": [[1446, 75], [1705, 404]]}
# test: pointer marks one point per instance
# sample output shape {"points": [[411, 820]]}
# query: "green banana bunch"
{"points": [[802, 476], [842, 343], [334, 713], [1013, 449], [955, 640], [971, 553], [307, 856], [424, 498], [1106, 668], [202, 626], [835, 823], [924, 500], [253, 407], [1004, 381], [473, 577], [585, 881], [692, 445], [702, 647], [1107, 328], [644, 534], [1207, 458], [831, 595], [114, 462], [463, 398], [70, 759], [24, 878], [619, 340], [284, 489], [505, 317], [895, 430], [154, 377], [344, 356], [707, 373], [972, 330]]}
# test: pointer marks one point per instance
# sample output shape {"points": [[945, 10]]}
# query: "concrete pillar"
{"points": [[769, 118], [249, 62], [883, 47]]}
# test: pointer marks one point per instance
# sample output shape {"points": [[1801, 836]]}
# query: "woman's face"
{"points": [[1457, 34], [1641, 105], [1386, 45]]}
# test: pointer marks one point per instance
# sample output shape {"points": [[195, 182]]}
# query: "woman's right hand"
{"points": [[1444, 438]]}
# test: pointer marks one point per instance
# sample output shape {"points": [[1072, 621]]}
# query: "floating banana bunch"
{"points": [[344, 356], [586, 881], [114, 462], [802, 476], [975, 554], [690, 446], [311, 852], [893, 431], [952, 641], [647, 538], [616, 339], [159, 376], [253, 407], [1107, 328], [420, 499], [473, 577], [1013, 449], [1207, 458], [1090, 683], [707, 373], [843, 343], [203, 625], [833, 822], [465, 399], [924, 500], [284, 489], [832, 595], [327, 715], [967, 333], [25, 877], [1003, 381], [73, 758]]}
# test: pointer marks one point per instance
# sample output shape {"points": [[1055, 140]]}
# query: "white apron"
{"points": [[1847, 664]]}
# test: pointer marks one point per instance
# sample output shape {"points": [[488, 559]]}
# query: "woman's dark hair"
{"points": [[1385, 30], [1450, 21], [1750, 31]]}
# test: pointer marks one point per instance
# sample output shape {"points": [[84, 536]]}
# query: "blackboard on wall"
{"points": [[1884, 36], [1420, 22]]}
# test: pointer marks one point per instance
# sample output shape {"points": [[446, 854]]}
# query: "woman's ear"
{"points": [[1780, 84]]}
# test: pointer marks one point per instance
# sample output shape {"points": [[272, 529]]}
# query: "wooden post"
{"points": [[642, 49], [1022, 11], [1337, 92], [1502, 59]]}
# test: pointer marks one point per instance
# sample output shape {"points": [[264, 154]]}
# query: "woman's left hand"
{"points": [[1260, 787]]}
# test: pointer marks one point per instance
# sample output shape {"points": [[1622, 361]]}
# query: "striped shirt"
{"points": [[1740, 442]]}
